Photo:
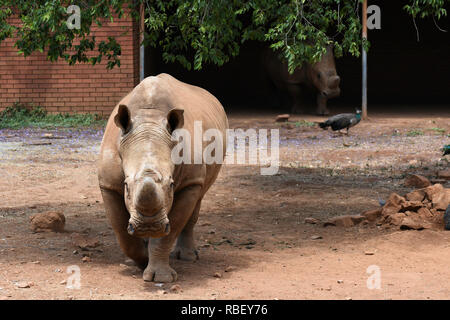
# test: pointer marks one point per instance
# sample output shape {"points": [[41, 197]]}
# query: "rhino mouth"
{"points": [[155, 226]]}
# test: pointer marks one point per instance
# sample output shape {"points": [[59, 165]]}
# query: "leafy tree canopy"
{"points": [[197, 32]]}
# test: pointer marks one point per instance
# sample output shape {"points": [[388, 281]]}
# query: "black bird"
{"points": [[446, 149], [342, 121]]}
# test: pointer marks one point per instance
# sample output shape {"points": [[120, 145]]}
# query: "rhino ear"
{"points": [[175, 119], [123, 118]]}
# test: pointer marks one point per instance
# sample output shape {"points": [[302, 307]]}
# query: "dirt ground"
{"points": [[251, 222]]}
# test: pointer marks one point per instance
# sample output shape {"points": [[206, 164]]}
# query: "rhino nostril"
{"points": [[130, 229], [167, 228], [324, 94]]}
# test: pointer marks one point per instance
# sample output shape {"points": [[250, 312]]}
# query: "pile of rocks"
{"points": [[422, 208]]}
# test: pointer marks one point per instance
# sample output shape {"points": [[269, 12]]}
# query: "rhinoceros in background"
{"points": [[320, 76], [146, 195]]}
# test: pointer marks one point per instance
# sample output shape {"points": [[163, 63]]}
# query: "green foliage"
{"points": [[198, 32], [414, 133], [305, 123], [19, 116], [438, 130]]}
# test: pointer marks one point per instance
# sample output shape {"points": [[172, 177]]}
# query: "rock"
{"points": [[372, 215], [84, 242], [444, 174], [340, 281], [176, 288], [312, 221], [282, 118], [416, 195], [229, 269], [23, 285], [48, 221], [393, 204], [424, 213], [316, 237], [345, 221], [412, 223], [63, 282], [447, 218], [396, 218], [217, 275], [439, 196], [369, 253], [417, 181], [411, 206], [86, 259]]}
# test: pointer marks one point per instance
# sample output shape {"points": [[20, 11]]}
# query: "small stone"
{"points": [[282, 118], [75, 251], [176, 288], [123, 265], [345, 221], [417, 181], [312, 221], [63, 282], [86, 259], [369, 253], [372, 215], [23, 285], [229, 269], [84, 242], [159, 285], [340, 281], [48, 221], [316, 237], [217, 275], [36, 262]]}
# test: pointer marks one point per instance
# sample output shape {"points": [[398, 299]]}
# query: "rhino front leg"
{"points": [[185, 248], [118, 216], [158, 269], [322, 105]]}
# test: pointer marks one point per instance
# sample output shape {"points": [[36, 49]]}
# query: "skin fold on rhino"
{"points": [[320, 76], [147, 196]]}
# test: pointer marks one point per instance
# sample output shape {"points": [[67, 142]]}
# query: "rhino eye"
{"points": [[318, 75]]}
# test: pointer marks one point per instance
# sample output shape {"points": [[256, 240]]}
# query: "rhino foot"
{"points": [[183, 253], [159, 274], [323, 112]]}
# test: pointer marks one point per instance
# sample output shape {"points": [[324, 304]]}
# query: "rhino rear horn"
{"points": [[123, 118]]}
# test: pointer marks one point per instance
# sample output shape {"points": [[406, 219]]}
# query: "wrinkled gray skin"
{"points": [[147, 196], [321, 77]]}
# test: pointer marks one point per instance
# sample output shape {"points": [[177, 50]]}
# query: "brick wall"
{"points": [[60, 87]]}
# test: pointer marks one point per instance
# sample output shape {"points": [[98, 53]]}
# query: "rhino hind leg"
{"points": [[185, 248], [118, 216], [158, 268]]}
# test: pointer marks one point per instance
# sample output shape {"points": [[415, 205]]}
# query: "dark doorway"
{"points": [[402, 72]]}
